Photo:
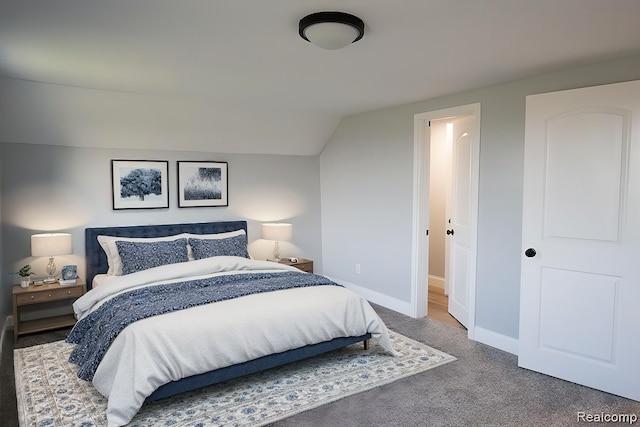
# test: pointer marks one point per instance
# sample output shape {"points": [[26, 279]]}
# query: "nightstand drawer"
{"points": [[49, 295], [302, 264]]}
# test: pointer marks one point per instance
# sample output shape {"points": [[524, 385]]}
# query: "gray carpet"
{"points": [[484, 387]]}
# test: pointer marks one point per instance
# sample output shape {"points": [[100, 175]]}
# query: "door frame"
{"points": [[420, 240]]}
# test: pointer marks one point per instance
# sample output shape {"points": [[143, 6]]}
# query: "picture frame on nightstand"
{"points": [[69, 275]]}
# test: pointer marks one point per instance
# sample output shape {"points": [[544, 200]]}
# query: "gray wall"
{"points": [[53, 188], [367, 185], [366, 175]]}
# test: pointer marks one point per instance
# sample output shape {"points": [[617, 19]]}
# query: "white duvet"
{"points": [[165, 348]]}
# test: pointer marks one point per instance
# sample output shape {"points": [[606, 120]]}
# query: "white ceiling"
{"points": [[264, 89]]}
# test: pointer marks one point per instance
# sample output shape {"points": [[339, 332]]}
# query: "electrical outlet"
{"points": [[357, 268]]}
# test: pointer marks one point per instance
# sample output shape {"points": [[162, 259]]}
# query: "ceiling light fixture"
{"points": [[331, 30]]}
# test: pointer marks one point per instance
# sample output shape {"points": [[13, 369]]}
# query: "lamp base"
{"points": [[274, 259], [51, 269], [276, 252]]}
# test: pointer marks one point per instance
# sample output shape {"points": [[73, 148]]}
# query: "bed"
{"points": [[287, 316]]}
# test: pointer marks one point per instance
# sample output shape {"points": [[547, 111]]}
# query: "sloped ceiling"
{"points": [[234, 76]]}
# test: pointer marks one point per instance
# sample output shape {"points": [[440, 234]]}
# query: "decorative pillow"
{"points": [[138, 256], [211, 236], [231, 246], [108, 244]]}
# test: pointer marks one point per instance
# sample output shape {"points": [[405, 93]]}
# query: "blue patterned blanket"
{"points": [[95, 333]]}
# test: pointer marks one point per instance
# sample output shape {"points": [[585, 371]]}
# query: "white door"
{"points": [[458, 263], [580, 288]]}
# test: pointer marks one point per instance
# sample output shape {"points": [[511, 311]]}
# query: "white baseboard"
{"points": [[436, 282], [494, 339], [394, 304], [485, 336]]}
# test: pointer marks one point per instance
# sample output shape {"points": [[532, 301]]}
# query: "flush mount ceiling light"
{"points": [[331, 30]]}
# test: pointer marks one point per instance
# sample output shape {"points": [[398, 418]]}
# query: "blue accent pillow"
{"points": [[230, 246], [138, 256]]}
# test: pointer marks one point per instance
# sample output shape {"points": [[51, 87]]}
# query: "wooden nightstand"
{"points": [[42, 295], [302, 264]]}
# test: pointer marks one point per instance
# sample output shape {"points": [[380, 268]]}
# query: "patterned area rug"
{"points": [[50, 394]]}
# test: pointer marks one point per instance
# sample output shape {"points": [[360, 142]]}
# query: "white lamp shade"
{"points": [[49, 244], [279, 231], [331, 35]]}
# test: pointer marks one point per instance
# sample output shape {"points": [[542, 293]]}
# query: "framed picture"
{"points": [[69, 272], [202, 184], [140, 184]]}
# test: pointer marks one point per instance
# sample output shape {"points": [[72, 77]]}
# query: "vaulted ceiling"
{"points": [[258, 87]]}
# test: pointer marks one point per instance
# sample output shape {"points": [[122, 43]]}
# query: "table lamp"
{"points": [[278, 232], [50, 244]]}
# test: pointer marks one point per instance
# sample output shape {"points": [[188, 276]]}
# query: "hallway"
{"points": [[438, 303]]}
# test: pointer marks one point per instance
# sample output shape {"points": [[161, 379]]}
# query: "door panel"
{"points": [[583, 334], [459, 243], [586, 162], [458, 298], [580, 290], [462, 171]]}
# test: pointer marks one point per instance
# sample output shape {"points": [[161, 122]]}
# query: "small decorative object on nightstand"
{"points": [[25, 275], [43, 295], [69, 275], [300, 263]]}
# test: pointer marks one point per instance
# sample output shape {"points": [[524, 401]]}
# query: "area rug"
{"points": [[50, 394]]}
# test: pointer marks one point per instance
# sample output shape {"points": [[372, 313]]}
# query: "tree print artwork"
{"points": [[203, 184], [141, 182]]}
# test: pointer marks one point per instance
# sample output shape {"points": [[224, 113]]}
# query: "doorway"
{"points": [[440, 177], [460, 225]]}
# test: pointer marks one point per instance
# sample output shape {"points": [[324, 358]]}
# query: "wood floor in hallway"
{"points": [[438, 307]]}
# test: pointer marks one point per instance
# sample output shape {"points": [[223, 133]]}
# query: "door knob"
{"points": [[530, 252], [450, 232]]}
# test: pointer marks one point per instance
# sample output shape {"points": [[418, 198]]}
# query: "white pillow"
{"points": [[101, 279], [108, 243], [211, 236]]}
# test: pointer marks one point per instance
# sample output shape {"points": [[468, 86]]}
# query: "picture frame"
{"points": [[69, 272], [140, 184], [202, 184]]}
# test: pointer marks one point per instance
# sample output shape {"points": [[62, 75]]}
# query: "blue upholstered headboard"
{"points": [[97, 259]]}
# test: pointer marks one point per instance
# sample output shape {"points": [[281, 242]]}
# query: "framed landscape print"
{"points": [[202, 184], [140, 184]]}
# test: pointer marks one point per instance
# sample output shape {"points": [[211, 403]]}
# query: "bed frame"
{"points": [[97, 264]]}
